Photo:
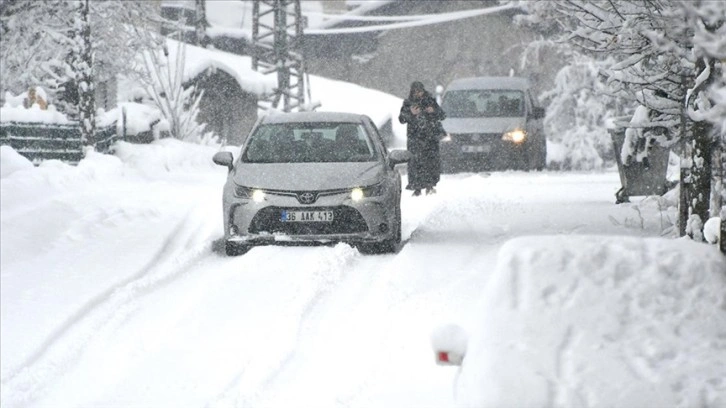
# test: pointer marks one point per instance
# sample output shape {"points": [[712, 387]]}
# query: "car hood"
{"points": [[482, 125], [306, 176]]}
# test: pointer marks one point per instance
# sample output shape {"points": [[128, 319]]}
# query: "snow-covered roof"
{"points": [[200, 59]]}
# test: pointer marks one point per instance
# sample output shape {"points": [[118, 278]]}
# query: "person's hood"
{"points": [[307, 176], [482, 125]]}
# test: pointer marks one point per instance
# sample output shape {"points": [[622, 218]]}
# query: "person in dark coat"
{"points": [[423, 117]]}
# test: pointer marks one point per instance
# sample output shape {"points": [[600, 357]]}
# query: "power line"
{"points": [[418, 22]]}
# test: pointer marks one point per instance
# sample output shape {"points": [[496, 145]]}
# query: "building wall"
{"points": [[334, 6], [434, 54]]}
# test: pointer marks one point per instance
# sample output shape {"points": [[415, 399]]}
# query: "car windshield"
{"points": [[309, 143], [483, 103]]}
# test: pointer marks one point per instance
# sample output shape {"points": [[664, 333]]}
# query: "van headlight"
{"points": [[516, 136], [360, 193]]}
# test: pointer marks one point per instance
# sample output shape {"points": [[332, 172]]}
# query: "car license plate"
{"points": [[306, 216], [476, 149]]}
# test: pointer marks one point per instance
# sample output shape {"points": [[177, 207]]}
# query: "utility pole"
{"points": [[277, 41], [200, 22]]}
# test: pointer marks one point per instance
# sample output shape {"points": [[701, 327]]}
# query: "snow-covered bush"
{"points": [[178, 104], [712, 230], [578, 108]]}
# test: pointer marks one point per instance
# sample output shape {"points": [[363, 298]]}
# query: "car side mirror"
{"points": [[398, 156], [538, 113], [224, 159]]}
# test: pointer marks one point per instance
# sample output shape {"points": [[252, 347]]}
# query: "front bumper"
{"points": [[489, 152], [369, 220]]}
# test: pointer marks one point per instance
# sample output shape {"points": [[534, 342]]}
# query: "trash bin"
{"points": [[637, 178]]}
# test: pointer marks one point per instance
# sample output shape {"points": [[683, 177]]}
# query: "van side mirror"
{"points": [[538, 112], [223, 159]]}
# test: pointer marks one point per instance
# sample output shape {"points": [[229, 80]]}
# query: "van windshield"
{"points": [[483, 103]]}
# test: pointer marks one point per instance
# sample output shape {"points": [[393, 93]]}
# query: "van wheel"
{"points": [[542, 162], [537, 158]]}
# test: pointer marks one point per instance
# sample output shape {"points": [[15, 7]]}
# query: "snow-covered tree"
{"points": [[710, 43], [34, 44], [38, 38], [656, 65], [578, 107]]}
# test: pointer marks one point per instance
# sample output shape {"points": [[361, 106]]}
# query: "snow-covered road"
{"points": [[116, 291]]}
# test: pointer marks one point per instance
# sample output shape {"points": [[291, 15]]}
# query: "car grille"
{"points": [[346, 220], [312, 196], [470, 138]]}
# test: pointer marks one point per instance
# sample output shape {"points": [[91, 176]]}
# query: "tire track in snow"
{"points": [[343, 262], [330, 273], [182, 248]]}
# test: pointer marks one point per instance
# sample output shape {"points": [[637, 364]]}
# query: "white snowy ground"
{"points": [[115, 293]]}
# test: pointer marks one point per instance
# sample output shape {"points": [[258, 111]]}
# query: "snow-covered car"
{"points": [[492, 123], [313, 177], [594, 321]]}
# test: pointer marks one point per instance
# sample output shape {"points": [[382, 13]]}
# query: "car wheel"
{"points": [[388, 246], [235, 248]]}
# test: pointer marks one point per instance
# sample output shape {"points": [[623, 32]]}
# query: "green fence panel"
{"points": [[105, 137], [41, 141]]}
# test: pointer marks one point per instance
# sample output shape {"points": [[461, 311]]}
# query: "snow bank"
{"points": [[11, 161], [600, 321], [139, 117], [22, 183], [33, 114], [166, 155], [159, 157]]}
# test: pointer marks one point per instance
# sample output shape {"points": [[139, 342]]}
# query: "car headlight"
{"points": [[253, 194], [360, 193], [516, 136]]}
